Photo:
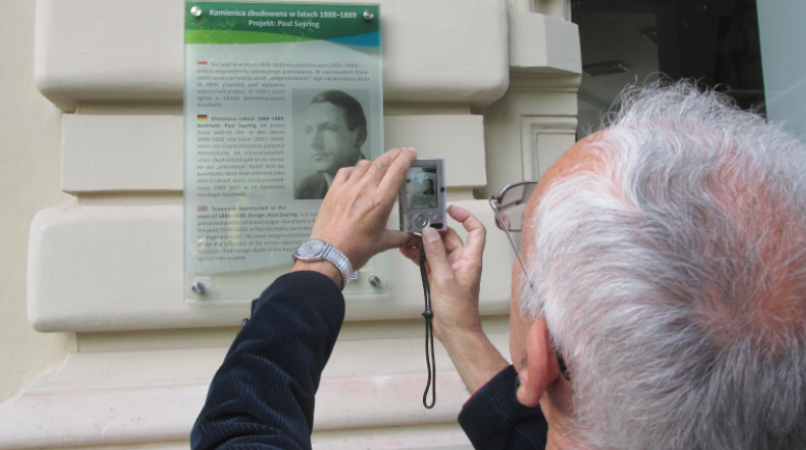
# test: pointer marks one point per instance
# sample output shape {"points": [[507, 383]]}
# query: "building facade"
{"points": [[101, 350]]}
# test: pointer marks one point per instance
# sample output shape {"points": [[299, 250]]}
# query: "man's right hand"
{"points": [[454, 275]]}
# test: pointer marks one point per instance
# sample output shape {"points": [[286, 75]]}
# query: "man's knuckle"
{"points": [[378, 167], [386, 158], [384, 163]]}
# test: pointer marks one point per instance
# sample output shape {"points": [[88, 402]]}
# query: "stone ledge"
{"points": [[114, 268], [91, 50], [130, 153], [541, 44], [151, 396]]}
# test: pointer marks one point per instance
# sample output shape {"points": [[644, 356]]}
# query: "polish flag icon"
{"points": [[201, 63], [202, 208]]}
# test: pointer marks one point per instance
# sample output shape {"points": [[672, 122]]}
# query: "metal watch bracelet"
{"points": [[319, 250], [341, 262]]}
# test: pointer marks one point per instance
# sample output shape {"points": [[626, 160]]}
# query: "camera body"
{"points": [[422, 197]]}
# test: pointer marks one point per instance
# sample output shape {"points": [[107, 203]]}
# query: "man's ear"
{"points": [[542, 368], [361, 136]]}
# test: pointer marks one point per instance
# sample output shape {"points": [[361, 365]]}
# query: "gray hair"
{"points": [[672, 277]]}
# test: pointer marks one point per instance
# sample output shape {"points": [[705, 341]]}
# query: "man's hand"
{"points": [[454, 275], [353, 216]]}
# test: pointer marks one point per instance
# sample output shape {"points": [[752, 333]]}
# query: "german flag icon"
{"points": [[202, 116]]}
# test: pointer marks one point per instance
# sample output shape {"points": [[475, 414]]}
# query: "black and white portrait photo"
{"points": [[330, 131], [428, 187], [422, 188]]}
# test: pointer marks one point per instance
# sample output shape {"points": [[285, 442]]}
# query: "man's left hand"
{"points": [[454, 274]]}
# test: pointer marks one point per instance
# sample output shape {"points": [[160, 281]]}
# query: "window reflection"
{"points": [[633, 41]]}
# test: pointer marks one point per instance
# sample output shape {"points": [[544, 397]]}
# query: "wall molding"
{"points": [[540, 136]]}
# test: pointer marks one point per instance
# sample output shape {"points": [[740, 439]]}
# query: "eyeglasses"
{"points": [[509, 207]]}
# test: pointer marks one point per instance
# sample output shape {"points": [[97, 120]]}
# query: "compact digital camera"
{"points": [[422, 197]]}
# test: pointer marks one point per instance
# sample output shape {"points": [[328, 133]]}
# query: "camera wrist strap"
{"points": [[429, 338]]}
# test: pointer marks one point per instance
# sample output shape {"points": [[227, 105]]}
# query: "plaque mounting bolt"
{"points": [[374, 281], [195, 11], [369, 15], [197, 287]]}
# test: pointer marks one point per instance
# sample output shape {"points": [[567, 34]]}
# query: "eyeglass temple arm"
{"points": [[503, 226], [493, 203]]}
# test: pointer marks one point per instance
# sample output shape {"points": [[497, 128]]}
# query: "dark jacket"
{"points": [[493, 418], [263, 394], [313, 187]]}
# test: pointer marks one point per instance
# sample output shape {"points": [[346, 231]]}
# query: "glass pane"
{"points": [[625, 42], [782, 36], [278, 97], [514, 205]]}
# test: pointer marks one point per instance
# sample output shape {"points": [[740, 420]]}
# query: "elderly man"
{"points": [[659, 296], [665, 263], [335, 128]]}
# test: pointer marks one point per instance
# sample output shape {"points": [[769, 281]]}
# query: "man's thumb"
{"points": [[435, 254]]}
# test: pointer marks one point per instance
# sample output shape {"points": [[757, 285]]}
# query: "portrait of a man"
{"points": [[428, 187], [334, 129]]}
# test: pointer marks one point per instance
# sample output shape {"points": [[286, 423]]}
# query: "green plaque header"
{"points": [[245, 23]]}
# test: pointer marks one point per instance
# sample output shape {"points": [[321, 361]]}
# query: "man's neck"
{"points": [[560, 436], [329, 176], [556, 441]]}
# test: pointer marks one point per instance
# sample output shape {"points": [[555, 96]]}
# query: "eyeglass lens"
{"points": [[513, 205]]}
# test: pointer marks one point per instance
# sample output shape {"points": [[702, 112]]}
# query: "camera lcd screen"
{"points": [[422, 188]]}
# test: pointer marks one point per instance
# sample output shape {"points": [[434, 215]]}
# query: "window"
{"points": [[634, 41]]}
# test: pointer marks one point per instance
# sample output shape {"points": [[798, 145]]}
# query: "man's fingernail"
{"points": [[430, 235], [411, 149]]}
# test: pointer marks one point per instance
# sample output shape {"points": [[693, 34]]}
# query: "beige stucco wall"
{"points": [[30, 135], [108, 265]]}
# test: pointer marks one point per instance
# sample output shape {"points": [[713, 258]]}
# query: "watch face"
{"points": [[310, 248]]}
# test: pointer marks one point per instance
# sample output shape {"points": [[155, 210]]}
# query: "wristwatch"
{"points": [[319, 250]]}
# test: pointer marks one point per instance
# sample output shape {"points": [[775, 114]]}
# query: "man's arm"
{"points": [[264, 391], [492, 418], [263, 394], [454, 273], [475, 358]]}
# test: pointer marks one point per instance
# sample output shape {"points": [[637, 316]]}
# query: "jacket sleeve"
{"points": [[494, 420], [263, 394]]}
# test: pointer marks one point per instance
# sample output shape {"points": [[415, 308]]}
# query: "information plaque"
{"points": [[278, 97]]}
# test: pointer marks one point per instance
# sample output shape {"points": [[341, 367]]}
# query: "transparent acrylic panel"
{"points": [[278, 97]]}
